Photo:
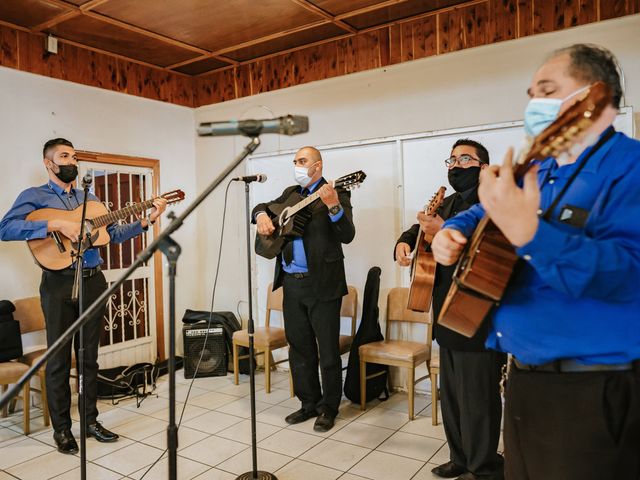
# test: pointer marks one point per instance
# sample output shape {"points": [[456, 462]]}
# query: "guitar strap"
{"points": [[603, 139]]}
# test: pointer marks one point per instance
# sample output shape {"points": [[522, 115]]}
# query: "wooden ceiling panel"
{"points": [[211, 24], [201, 66], [293, 40], [398, 12], [338, 7], [29, 13], [95, 33]]}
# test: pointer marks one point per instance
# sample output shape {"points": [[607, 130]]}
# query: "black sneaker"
{"points": [[300, 416]]}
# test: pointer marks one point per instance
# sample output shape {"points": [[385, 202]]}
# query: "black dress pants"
{"points": [[312, 328], [572, 426], [472, 409], [60, 312]]}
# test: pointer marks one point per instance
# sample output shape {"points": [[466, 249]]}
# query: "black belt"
{"points": [[573, 366], [298, 275], [86, 272]]}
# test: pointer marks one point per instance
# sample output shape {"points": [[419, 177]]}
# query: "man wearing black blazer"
{"points": [[311, 271], [469, 373]]}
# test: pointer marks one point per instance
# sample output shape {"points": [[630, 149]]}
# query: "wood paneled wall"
{"points": [[478, 22], [25, 51]]}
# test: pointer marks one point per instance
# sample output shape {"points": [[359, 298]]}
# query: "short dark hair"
{"points": [[481, 151], [591, 63], [54, 142]]}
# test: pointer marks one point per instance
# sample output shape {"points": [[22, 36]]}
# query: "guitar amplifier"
{"points": [[214, 352]]}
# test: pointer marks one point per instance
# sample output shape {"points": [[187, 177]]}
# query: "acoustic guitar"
{"points": [[290, 217], [56, 252], [423, 265], [487, 262]]}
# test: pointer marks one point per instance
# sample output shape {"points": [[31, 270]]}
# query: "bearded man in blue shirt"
{"points": [[60, 311], [571, 313]]}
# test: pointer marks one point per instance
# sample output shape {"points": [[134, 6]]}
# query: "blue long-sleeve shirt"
{"points": [[13, 225], [576, 295], [299, 262]]}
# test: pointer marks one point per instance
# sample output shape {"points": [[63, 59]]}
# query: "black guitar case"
{"points": [[368, 331]]}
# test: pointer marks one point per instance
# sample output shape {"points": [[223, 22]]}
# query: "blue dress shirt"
{"points": [[299, 262], [576, 295], [14, 226]]}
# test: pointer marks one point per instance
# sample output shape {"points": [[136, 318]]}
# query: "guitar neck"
{"points": [[303, 203], [123, 213]]}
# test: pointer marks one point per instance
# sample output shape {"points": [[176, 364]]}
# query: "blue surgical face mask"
{"points": [[541, 112], [301, 175]]}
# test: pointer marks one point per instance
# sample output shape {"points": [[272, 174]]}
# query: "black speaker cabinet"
{"points": [[214, 357]]}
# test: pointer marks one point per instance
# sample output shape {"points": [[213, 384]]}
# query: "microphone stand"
{"points": [[77, 295], [253, 474]]}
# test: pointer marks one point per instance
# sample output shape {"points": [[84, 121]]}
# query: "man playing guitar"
{"points": [[570, 314], [59, 158], [311, 271], [469, 373]]}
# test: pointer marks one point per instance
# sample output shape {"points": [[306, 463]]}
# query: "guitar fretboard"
{"points": [[123, 213]]}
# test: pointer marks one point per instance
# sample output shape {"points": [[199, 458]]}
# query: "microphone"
{"points": [[260, 177], [289, 125], [87, 180]]}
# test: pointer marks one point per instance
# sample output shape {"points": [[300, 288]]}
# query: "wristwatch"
{"points": [[335, 209]]}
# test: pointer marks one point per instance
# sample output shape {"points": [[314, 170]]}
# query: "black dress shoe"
{"points": [[449, 470], [65, 442], [300, 416], [97, 431], [324, 422]]}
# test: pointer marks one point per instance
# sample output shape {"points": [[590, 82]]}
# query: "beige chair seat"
{"points": [[263, 336], [32, 357], [396, 350], [12, 371]]}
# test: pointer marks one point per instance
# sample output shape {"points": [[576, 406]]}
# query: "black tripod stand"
{"points": [[254, 474]]}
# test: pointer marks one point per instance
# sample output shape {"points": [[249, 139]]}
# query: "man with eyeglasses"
{"points": [[311, 271], [469, 373]]}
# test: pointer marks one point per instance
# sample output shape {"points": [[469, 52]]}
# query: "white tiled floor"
{"points": [[215, 437]]}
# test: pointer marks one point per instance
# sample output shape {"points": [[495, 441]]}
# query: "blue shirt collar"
{"points": [[57, 188], [592, 165], [313, 186]]}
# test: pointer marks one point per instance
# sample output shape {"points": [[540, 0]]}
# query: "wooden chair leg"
{"points": [[236, 363], [411, 386], [26, 403], [434, 398], [363, 384], [5, 409], [291, 392], [43, 395], [267, 370]]}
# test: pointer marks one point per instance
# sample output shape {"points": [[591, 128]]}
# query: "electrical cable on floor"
{"points": [[204, 344]]}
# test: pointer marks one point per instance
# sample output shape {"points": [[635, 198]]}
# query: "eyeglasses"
{"points": [[462, 160]]}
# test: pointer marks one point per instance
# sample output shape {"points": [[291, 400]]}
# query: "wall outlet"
{"points": [[51, 44]]}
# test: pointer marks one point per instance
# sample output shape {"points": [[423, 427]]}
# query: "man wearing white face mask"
{"points": [[570, 315], [311, 271]]}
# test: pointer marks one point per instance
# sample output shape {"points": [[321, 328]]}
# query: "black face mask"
{"points": [[463, 179], [67, 173]]}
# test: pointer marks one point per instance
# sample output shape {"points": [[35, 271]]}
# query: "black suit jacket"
{"points": [[322, 241], [446, 337]]}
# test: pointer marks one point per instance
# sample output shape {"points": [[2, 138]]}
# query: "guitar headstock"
{"points": [[570, 127], [435, 201], [351, 181], [173, 196]]}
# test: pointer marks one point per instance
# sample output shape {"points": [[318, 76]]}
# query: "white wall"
{"points": [[34, 109], [472, 87]]}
